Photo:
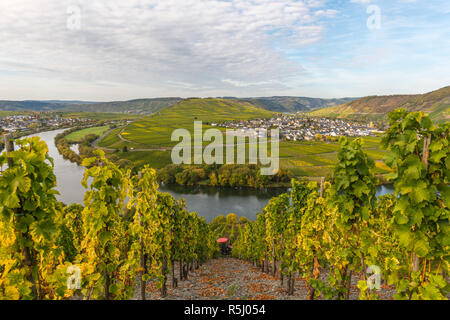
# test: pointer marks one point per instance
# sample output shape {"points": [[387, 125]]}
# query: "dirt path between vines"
{"points": [[232, 279]]}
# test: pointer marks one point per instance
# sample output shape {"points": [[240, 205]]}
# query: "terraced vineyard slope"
{"points": [[155, 130], [149, 140]]}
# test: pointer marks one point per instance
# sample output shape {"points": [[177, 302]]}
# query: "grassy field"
{"points": [[80, 134], [302, 158]]}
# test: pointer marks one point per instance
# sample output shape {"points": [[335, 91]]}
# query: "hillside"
{"points": [[140, 106], [6, 105], [436, 103], [294, 104], [148, 140], [156, 129], [149, 106]]}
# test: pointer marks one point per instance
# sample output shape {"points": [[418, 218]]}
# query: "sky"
{"points": [[104, 50]]}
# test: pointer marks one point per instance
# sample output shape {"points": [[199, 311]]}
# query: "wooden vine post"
{"points": [[322, 181], [141, 254], [315, 266], [425, 155], [9, 147]]}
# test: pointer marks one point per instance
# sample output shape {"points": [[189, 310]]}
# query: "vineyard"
{"points": [[112, 245], [344, 228], [128, 236]]}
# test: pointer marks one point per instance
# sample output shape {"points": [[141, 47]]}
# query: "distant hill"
{"points": [[6, 105], [148, 106], [66, 102], [156, 129], [142, 106], [293, 104], [436, 104]]}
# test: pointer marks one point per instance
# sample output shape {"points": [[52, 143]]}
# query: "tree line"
{"points": [[84, 145], [226, 175]]}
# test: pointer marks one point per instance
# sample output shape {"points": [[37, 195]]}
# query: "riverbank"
{"points": [[83, 137], [198, 175], [207, 201], [227, 175], [211, 202]]}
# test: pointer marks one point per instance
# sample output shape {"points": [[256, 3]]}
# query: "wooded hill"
{"points": [[138, 106], [31, 105], [149, 106], [294, 104], [435, 103], [141, 106]]}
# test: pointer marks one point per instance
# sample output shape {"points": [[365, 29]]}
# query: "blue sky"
{"points": [[117, 50], [408, 54]]}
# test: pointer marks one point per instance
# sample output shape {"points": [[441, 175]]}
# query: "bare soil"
{"points": [[233, 279]]}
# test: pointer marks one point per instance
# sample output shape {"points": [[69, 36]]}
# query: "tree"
{"points": [[220, 219], [213, 179], [243, 220], [231, 218]]}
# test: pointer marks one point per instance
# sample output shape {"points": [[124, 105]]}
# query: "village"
{"points": [[294, 128], [38, 120]]}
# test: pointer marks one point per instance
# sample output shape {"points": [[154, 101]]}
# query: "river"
{"points": [[206, 201]]}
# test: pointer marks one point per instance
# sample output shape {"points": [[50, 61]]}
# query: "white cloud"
{"points": [[329, 13], [361, 1], [242, 84], [196, 43], [144, 48]]}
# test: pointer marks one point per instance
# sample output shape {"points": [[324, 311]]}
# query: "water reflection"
{"points": [[211, 202]]}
